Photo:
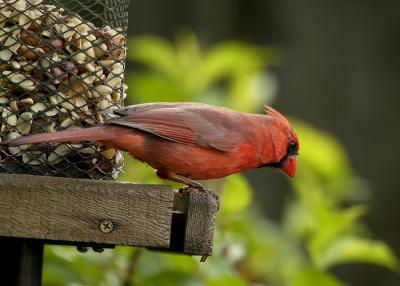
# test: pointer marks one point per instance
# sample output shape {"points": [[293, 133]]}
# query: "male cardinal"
{"points": [[185, 142]]}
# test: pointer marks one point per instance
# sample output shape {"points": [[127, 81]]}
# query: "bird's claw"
{"points": [[184, 190]]}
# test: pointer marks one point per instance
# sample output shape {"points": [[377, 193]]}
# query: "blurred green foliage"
{"points": [[229, 74], [318, 230]]}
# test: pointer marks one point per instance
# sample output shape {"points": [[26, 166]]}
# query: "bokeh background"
{"points": [[334, 68]]}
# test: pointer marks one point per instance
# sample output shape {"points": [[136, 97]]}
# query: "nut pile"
{"points": [[57, 72]]}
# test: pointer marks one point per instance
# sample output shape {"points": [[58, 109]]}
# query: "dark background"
{"points": [[341, 73]]}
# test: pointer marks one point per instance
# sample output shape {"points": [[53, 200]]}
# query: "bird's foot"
{"points": [[200, 187], [182, 192], [191, 184]]}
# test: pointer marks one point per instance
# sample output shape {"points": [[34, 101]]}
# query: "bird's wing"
{"points": [[142, 107], [182, 125]]}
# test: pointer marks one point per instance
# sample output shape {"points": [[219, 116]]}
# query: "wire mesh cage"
{"points": [[62, 66]]}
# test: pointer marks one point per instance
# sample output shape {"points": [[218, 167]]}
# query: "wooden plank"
{"points": [[200, 223], [63, 209]]}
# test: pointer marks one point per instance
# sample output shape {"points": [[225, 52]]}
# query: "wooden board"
{"points": [[72, 210], [103, 213], [200, 223]]}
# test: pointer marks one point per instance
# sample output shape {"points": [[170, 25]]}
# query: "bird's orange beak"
{"points": [[289, 167]]}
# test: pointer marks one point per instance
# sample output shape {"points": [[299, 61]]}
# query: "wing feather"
{"points": [[179, 124]]}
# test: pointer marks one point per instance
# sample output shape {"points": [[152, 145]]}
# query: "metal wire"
{"points": [[62, 67]]}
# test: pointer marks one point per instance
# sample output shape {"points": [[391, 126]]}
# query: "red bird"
{"points": [[185, 142]]}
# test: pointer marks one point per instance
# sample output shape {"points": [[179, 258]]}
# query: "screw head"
{"points": [[106, 226]]}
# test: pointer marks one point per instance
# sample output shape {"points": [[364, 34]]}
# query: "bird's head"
{"points": [[289, 160], [285, 143]]}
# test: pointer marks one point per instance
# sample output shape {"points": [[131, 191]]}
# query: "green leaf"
{"points": [[231, 59], [237, 194], [230, 74], [170, 278], [152, 87], [227, 280], [323, 164], [154, 52], [64, 265], [329, 159], [353, 249], [250, 92], [188, 50], [313, 277], [331, 224]]}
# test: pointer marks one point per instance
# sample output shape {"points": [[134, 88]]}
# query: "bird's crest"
{"points": [[273, 113]]}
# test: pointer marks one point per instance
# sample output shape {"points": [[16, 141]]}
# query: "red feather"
{"points": [[185, 141]]}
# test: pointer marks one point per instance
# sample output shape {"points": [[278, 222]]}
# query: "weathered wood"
{"points": [[64, 209], [103, 213], [200, 223]]}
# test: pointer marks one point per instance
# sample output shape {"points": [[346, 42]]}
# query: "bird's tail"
{"points": [[97, 133]]}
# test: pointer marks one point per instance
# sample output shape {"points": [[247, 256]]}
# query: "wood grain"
{"points": [[52, 208], [200, 223]]}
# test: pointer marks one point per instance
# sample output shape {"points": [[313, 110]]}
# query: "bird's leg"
{"points": [[196, 185], [166, 175], [189, 182]]}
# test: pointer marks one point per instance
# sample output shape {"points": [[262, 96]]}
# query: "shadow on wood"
{"points": [[103, 213]]}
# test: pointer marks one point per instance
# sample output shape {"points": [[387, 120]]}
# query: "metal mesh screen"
{"points": [[62, 67]]}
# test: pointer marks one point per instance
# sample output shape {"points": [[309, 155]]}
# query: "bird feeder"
{"points": [[62, 66]]}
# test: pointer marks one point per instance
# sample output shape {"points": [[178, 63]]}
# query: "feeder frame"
{"points": [[41, 210]]}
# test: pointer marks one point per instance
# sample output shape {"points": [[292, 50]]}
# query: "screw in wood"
{"points": [[106, 226]]}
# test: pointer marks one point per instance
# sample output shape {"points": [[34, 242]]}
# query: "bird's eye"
{"points": [[292, 148]]}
